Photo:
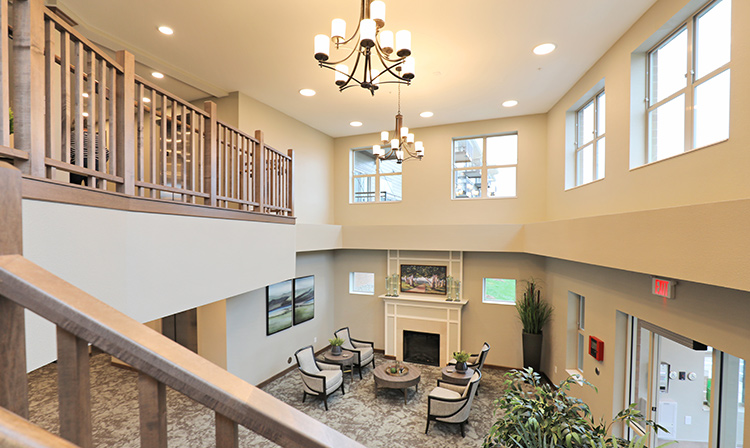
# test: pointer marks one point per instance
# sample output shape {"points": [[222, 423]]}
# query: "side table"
{"points": [[345, 359], [451, 375]]}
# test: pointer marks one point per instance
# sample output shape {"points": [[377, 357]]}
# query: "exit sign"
{"points": [[663, 287]]}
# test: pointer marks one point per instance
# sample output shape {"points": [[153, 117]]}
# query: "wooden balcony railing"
{"points": [[81, 320], [86, 118]]}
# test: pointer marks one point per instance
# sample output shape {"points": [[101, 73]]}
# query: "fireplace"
{"points": [[422, 348]]}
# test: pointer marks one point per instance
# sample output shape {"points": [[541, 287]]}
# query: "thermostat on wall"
{"points": [[596, 348]]}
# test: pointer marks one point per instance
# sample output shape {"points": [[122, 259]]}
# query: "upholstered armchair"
{"points": [[363, 350], [319, 378], [449, 403], [476, 360]]}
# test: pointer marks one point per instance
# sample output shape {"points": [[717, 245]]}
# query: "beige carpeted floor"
{"points": [[380, 420]]}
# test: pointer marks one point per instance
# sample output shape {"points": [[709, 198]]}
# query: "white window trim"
{"points": [[491, 302], [594, 143], [361, 293], [377, 175], [483, 169]]}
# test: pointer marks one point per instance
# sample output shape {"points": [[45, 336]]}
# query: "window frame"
{"points": [[497, 302], [688, 90], [362, 293], [593, 143], [376, 176], [483, 168]]}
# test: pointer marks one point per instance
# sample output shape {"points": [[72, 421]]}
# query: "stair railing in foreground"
{"points": [[82, 319]]}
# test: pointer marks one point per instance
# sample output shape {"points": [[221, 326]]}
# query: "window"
{"points": [[589, 143], [371, 174], [498, 290], [576, 340], [688, 84], [485, 167], [362, 283]]}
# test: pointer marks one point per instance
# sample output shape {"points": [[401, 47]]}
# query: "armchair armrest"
{"points": [[329, 366], [313, 381], [358, 343], [449, 386]]}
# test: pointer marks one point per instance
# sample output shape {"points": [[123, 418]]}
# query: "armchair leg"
{"points": [[342, 388], [304, 395], [325, 401], [360, 371], [462, 430], [428, 425]]}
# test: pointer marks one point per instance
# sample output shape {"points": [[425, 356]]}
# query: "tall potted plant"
{"points": [[534, 314]]}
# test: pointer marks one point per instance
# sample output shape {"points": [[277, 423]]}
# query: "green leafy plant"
{"points": [[533, 414], [336, 342], [532, 310], [461, 356]]}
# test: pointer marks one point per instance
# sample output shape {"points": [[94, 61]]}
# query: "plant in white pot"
{"points": [[534, 314]]}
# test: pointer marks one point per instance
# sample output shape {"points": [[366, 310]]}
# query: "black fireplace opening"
{"points": [[422, 348]]}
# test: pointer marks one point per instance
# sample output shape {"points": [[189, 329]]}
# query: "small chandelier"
{"points": [[402, 146], [368, 40]]}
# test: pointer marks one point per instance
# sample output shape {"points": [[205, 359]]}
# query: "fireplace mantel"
{"points": [[426, 314]]}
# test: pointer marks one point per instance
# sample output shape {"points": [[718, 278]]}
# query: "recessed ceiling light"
{"points": [[510, 103], [146, 99], [307, 92], [426, 114], [166, 30], [157, 75], [545, 48], [356, 124]]}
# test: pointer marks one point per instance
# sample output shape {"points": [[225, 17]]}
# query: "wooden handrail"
{"points": [[19, 432], [62, 25], [87, 318]]}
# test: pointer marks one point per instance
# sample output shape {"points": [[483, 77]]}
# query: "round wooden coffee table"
{"points": [[386, 381], [345, 359], [451, 375]]}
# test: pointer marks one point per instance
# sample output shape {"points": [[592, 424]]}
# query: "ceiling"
{"points": [[470, 56]]}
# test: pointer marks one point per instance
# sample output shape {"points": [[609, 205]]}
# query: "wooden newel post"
{"points": [[209, 155], [27, 77], [290, 190], [125, 151], [259, 171], [13, 382], [4, 78]]}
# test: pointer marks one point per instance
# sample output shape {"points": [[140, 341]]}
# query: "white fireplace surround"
{"points": [[423, 314]]}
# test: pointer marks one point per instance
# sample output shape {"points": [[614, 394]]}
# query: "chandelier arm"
{"points": [[384, 57], [351, 77], [342, 60]]}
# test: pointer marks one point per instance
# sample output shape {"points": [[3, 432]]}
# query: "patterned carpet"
{"points": [[374, 421]]}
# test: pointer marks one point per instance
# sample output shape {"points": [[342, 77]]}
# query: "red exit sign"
{"points": [[663, 287]]}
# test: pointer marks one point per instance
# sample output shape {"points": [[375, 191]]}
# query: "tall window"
{"points": [[688, 84], [374, 180], [590, 140], [485, 167]]}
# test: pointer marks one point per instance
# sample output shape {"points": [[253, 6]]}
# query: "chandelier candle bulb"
{"points": [[408, 69], [322, 47], [386, 41], [367, 33], [394, 143], [420, 148], [400, 155], [342, 74], [377, 12], [404, 131], [403, 43], [410, 138], [384, 136], [338, 30]]}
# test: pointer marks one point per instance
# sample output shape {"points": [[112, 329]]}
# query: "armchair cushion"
{"points": [[440, 392]]}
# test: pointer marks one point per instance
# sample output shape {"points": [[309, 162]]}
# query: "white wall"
{"points": [[254, 356], [150, 265]]}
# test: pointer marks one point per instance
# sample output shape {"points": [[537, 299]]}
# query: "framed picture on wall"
{"points": [[421, 279], [278, 307], [304, 299]]}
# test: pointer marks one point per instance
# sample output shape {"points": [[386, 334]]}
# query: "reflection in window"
{"points": [[373, 179], [485, 167]]}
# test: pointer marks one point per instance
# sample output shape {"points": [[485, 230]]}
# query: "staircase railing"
{"points": [[82, 116], [82, 319]]}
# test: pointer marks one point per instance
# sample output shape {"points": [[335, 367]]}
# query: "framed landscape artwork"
{"points": [[304, 299], [420, 279], [278, 307]]}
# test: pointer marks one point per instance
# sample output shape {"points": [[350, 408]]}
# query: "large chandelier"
{"points": [[369, 41], [402, 146]]}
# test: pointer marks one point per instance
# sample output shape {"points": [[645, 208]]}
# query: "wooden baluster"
{"points": [[193, 153], [227, 159], [152, 399], [65, 95], [209, 160], [74, 388], [201, 151], [290, 182], [13, 381], [236, 170], [77, 143], [163, 146], [49, 67], [183, 120], [102, 121], [4, 76], [139, 149], [112, 112], [227, 435], [27, 76], [126, 122], [153, 149], [91, 101], [259, 169], [173, 146]]}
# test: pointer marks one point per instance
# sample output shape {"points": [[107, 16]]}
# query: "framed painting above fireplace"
{"points": [[423, 279]]}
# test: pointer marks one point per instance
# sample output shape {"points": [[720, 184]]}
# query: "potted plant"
{"points": [[534, 414], [534, 314], [461, 358], [336, 344]]}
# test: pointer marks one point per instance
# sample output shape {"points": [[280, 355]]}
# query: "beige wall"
{"points": [[427, 184], [212, 332]]}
